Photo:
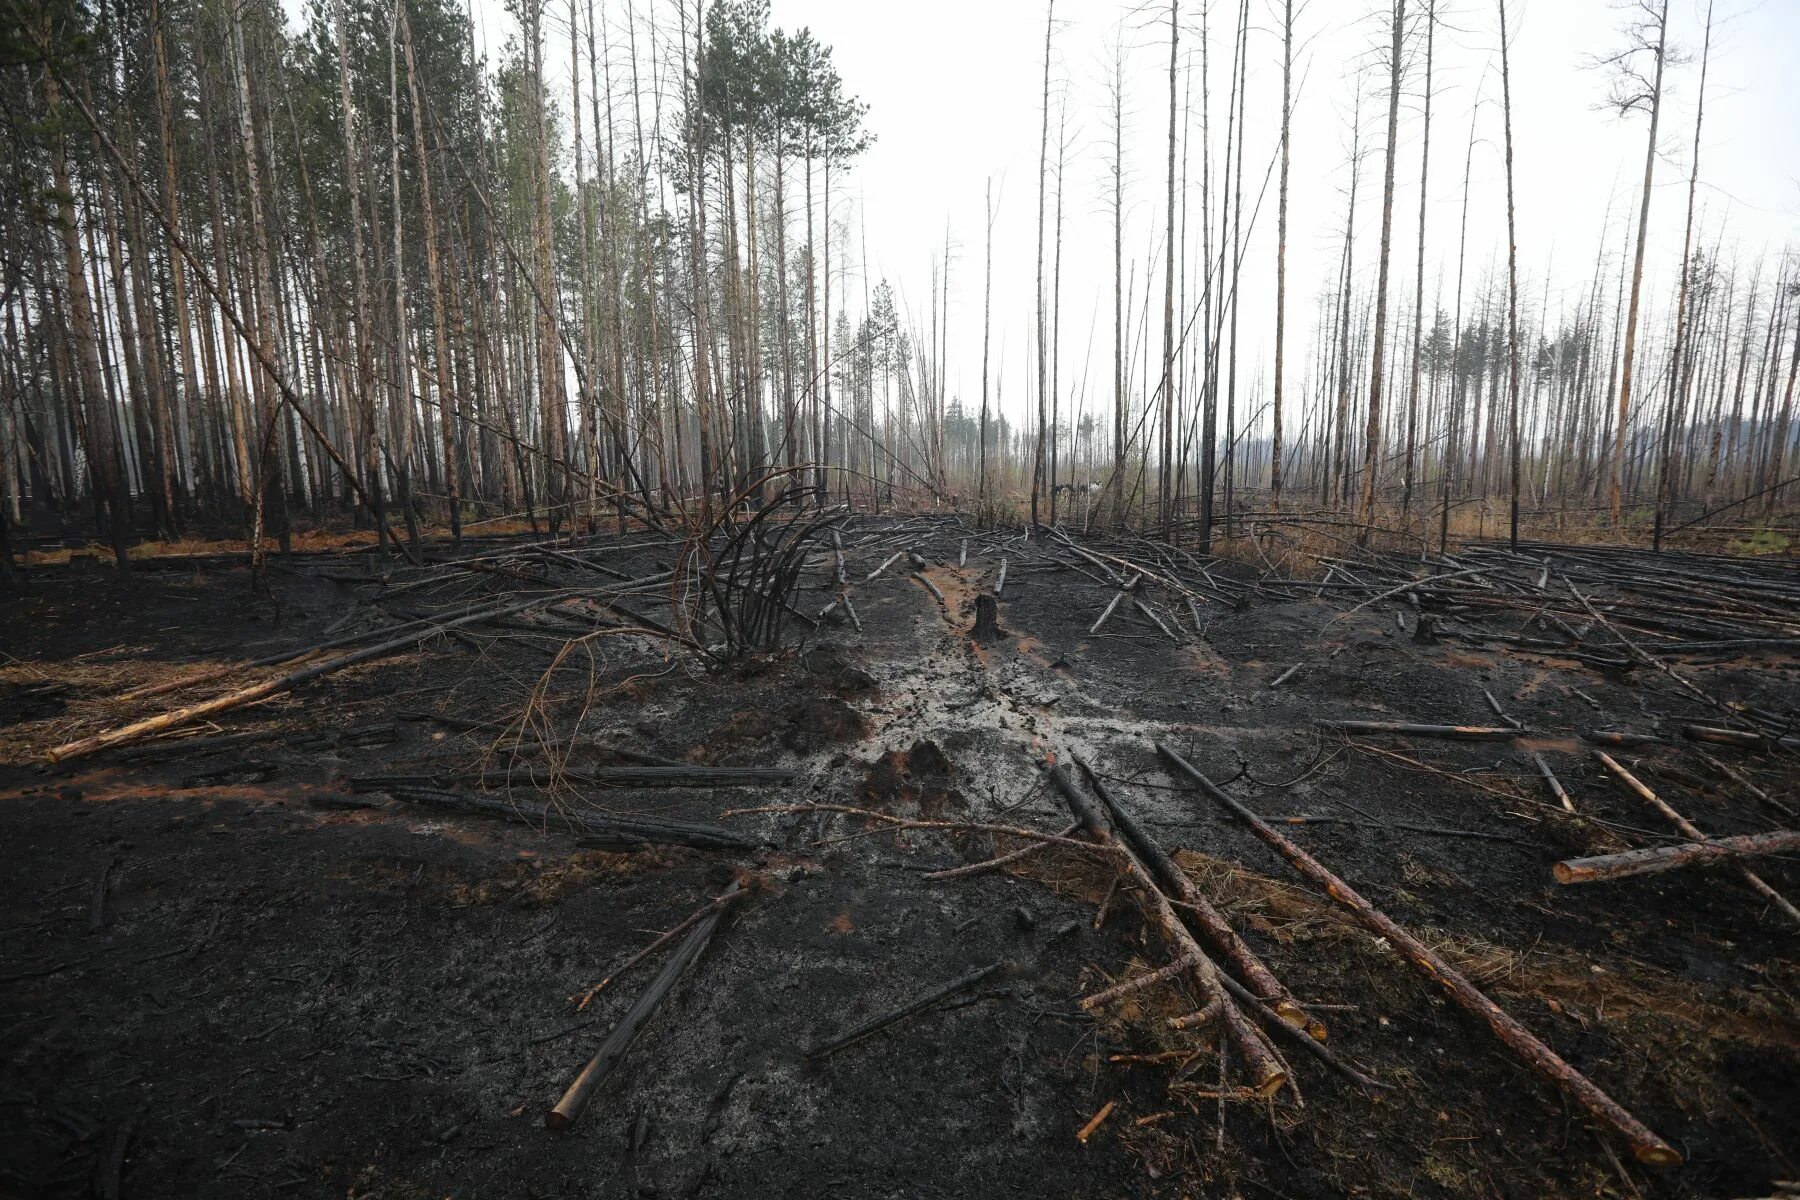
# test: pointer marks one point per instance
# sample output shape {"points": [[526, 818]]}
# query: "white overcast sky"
{"points": [[953, 88]]}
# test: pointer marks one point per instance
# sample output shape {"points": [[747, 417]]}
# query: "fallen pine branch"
{"points": [[1688, 829], [1601, 868], [1645, 1145], [937, 994], [139, 730], [1464, 733], [600, 832]]}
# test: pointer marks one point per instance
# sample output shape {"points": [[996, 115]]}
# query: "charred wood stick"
{"points": [[1430, 830], [1688, 829], [1499, 711], [919, 574], [912, 1007], [650, 776], [1412, 585], [1463, 733], [612, 1050], [1615, 737], [1148, 979], [138, 730], [1645, 1145], [1155, 620], [844, 599], [1602, 867], [731, 895], [993, 864], [1550, 780], [1266, 1070], [1282, 1028], [1080, 807], [625, 833], [1213, 925], [1743, 781], [1742, 739], [1107, 615], [267, 660], [1286, 675]]}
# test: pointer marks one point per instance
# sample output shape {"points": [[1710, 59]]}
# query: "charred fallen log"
{"points": [[595, 830]]}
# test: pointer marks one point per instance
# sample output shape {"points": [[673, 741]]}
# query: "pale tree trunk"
{"points": [[1512, 281], [1615, 494], [1037, 456], [1412, 395], [1287, 115], [1663, 494], [1165, 468], [1372, 433]]}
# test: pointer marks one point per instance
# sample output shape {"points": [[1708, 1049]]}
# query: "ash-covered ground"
{"points": [[237, 964]]}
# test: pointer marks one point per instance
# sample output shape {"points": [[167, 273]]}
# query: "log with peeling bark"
{"points": [[138, 730], [612, 1051], [1757, 883], [1463, 733], [1211, 923], [1265, 1068], [1645, 1145], [1602, 867]]}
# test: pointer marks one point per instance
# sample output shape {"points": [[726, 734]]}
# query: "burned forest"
{"points": [[739, 598]]}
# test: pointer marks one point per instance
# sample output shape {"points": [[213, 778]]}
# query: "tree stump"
{"points": [[987, 619]]}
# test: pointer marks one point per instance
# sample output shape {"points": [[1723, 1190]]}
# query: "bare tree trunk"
{"points": [[1372, 433], [1287, 115], [1512, 279], [1412, 395], [1637, 269], [1043, 372]]}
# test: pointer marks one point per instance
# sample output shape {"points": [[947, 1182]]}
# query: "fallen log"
{"points": [[1602, 867], [1267, 1072], [639, 777], [934, 996], [139, 730], [1213, 925], [612, 1050], [1464, 733], [1645, 1145], [600, 832], [1688, 829]]}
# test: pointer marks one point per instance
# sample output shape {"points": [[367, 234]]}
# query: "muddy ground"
{"points": [[227, 972]]}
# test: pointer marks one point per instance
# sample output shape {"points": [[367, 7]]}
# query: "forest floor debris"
{"points": [[239, 950]]}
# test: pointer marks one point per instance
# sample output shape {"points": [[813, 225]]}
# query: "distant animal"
{"points": [[1075, 489]]}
